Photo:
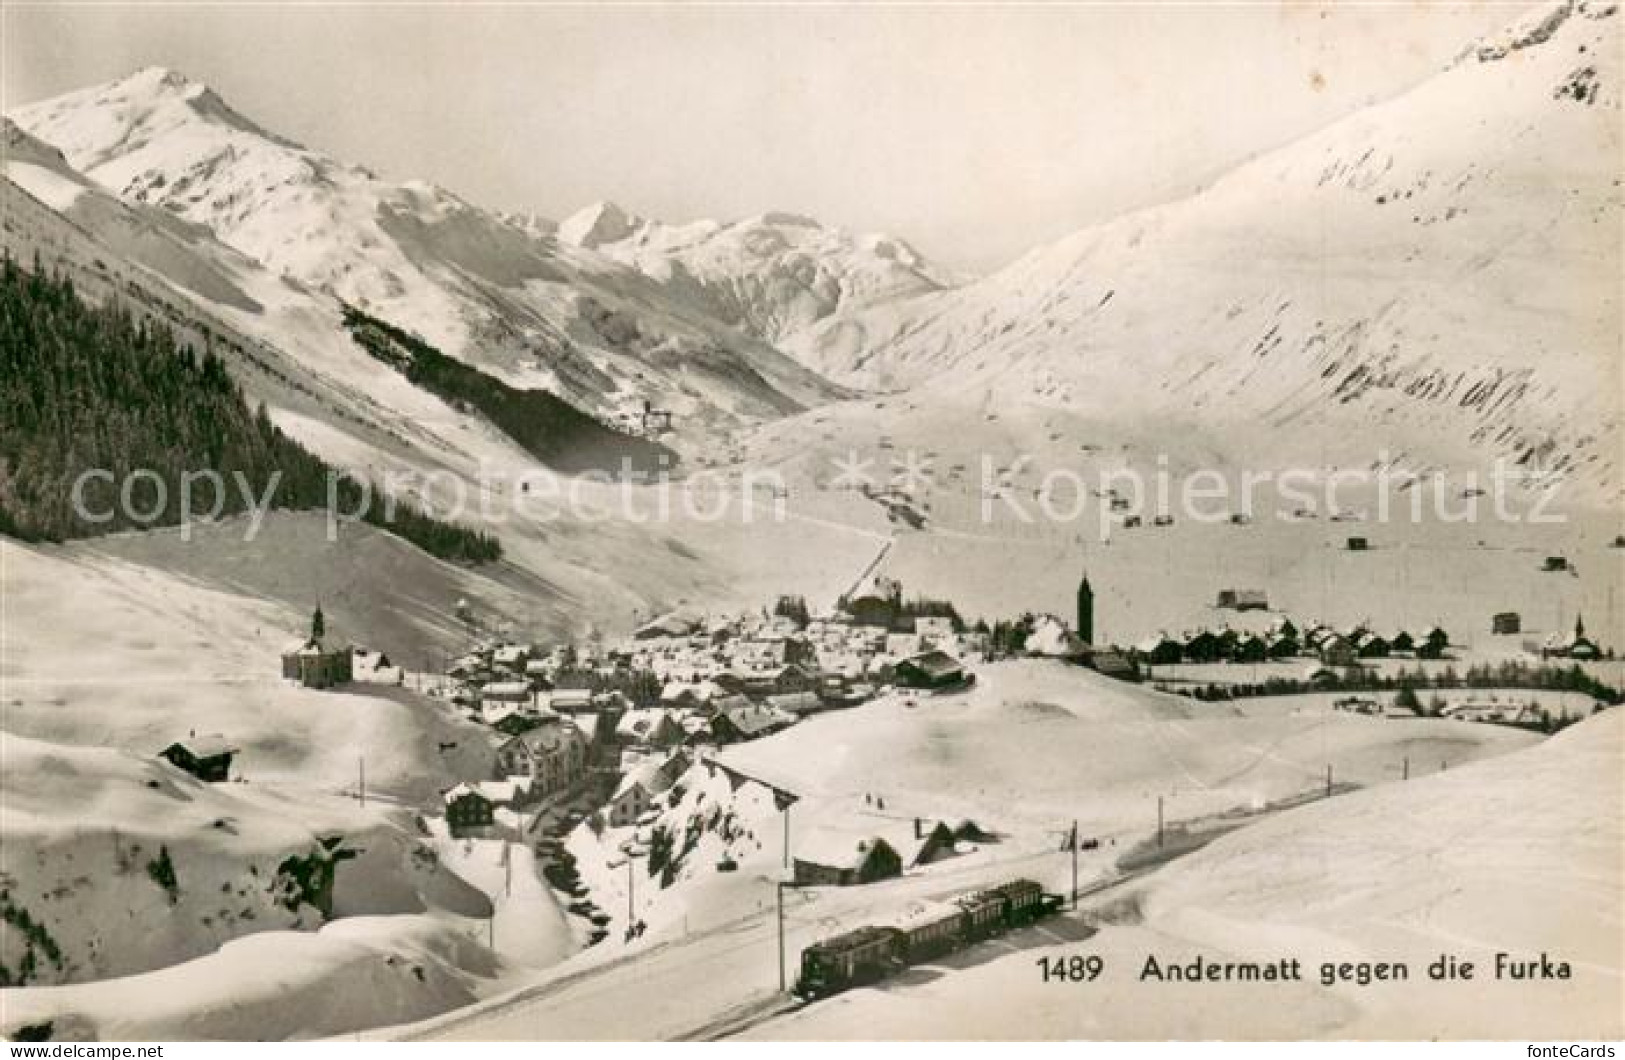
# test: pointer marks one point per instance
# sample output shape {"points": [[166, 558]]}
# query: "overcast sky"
{"points": [[974, 132]]}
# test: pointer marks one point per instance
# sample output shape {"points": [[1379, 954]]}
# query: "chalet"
{"points": [[750, 721], [507, 692], [511, 657], [650, 727], [931, 670], [1555, 564], [936, 631], [1358, 544], [797, 703], [553, 755], [636, 793], [778, 680], [571, 700], [467, 809], [207, 758], [1243, 600], [1051, 638], [1505, 622], [840, 859]]}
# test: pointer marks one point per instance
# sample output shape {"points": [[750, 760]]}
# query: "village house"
{"points": [[933, 670], [207, 758], [636, 793], [841, 856], [650, 727], [748, 721], [1243, 600], [467, 809], [840, 859]]}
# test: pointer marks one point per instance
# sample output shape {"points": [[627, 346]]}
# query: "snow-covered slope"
{"points": [[498, 292], [771, 275], [1440, 272], [1519, 855]]}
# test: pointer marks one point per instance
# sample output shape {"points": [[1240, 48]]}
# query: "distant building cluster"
{"points": [[1278, 637], [641, 709]]}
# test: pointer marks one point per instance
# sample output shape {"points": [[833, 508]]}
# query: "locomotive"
{"points": [[873, 952]]}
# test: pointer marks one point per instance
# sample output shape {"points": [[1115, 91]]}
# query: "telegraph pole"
{"points": [[1328, 780], [1159, 820], [361, 780], [1405, 769], [779, 888], [1074, 864]]}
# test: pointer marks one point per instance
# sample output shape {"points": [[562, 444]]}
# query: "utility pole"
{"points": [[1159, 820], [1074, 864], [361, 780], [1328, 780], [1405, 769], [630, 916], [779, 888]]}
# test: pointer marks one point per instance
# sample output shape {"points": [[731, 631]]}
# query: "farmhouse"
{"points": [[208, 758], [840, 859], [748, 721], [467, 809], [1243, 600], [931, 670], [636, 793]]}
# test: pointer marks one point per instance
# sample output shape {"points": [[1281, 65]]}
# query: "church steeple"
{"points": [[1579, 626], [1086, 610]]}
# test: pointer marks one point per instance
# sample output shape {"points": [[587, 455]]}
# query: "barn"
{"points": [[208, 758]]}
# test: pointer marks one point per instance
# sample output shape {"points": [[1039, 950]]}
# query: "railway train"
{"points": [[873, 952]]}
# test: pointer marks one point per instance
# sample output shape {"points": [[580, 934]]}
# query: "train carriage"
{"points": [[984, 913], [930, 929], [857, 957], [1024, 901]]}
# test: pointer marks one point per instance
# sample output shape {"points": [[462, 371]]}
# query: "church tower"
{"points": [[1086, 611]]}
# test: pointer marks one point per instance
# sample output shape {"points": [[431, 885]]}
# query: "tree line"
{"points": [[96, 388]]}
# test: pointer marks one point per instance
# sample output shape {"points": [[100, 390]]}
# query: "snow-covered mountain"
{"points": [[1438, 273], [496, 291], [772, 275]]}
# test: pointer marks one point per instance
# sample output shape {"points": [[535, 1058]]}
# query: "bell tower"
{"points": [[1086, 610]]}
